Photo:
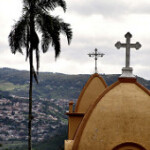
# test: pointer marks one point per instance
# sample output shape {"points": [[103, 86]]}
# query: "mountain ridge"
{"points": [[51, 85]]}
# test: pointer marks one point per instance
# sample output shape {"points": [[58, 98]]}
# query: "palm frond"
{"points": [[46, 40], [34, 44], [37, 60], [66, 29], [56, 43], [55, 34], [59, 26], [35, 75], [18, 35], [27, 43], [61, 3], [34, 40], [42, 26], [26, 2], [50, 29], [52, 4]]}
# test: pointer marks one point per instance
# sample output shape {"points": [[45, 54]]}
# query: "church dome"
{"points": [[92, 89], [119, 117]]}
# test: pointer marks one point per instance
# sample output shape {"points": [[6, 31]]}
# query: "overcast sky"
{"points": [[96, 24]]}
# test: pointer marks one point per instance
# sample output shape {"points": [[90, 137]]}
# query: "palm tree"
{"points": [[36, 19]]}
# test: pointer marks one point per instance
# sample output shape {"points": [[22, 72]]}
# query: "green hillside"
{"points": [[51, 85]]}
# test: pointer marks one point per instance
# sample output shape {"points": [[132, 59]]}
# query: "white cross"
{"points": [[96, 55], [128, 45]]}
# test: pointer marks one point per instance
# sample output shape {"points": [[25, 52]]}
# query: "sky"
{"points": [[95, 24]]}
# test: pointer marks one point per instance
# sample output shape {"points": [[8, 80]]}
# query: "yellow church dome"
{"points": [[90, 92], [92, 89], [118, 120]]}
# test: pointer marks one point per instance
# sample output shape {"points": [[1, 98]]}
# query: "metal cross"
{"points": [[128, 45], [96, 55]]}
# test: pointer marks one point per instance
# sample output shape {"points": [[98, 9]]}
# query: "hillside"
{"points": [[50, 101], [51, 85]]}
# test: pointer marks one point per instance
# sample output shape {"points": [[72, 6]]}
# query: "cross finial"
{"points": [[127, 70], [96, 55]]}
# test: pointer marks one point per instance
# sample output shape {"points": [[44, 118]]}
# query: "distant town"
{"points": [[48, 115]]}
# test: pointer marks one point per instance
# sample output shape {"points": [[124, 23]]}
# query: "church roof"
{"points": [[120, 114], [92, 89]]}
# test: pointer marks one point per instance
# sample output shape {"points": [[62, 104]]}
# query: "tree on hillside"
{"points": [[24, 34]]}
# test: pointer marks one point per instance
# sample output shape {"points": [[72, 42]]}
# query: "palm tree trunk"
{"points": [[31, 75], [30, 102]]}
